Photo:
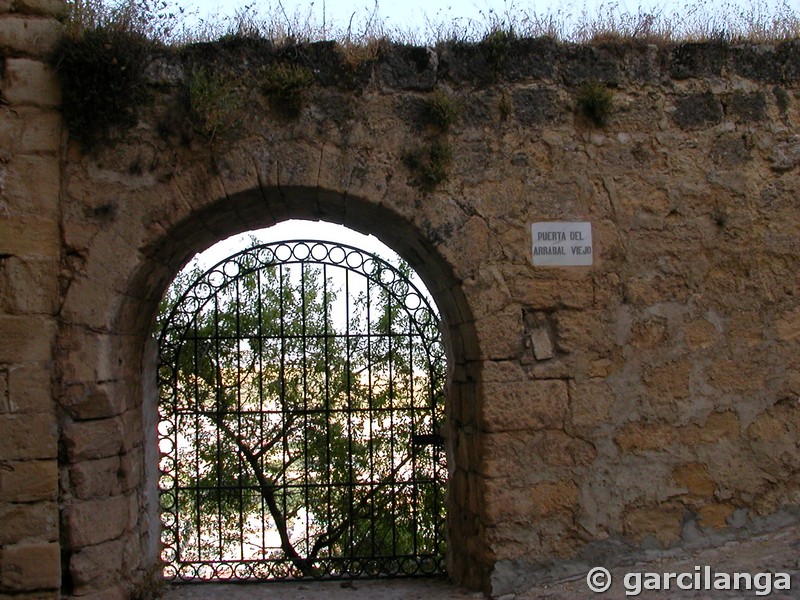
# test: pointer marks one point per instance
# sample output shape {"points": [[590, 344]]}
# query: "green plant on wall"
{"points": [[430, 162], [284, 84], [496, 47], [441, 110], [102, 80], [214, 103], [595, 102]]}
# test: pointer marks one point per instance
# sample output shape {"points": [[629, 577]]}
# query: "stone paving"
{"points": [[775, 552]]}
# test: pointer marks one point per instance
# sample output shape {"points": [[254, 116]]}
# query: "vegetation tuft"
{"points": [[430, 163], [595, 102], [284, 84], [441, 110], [214, 103], [496, 47], [101, 72], [102, 57]]}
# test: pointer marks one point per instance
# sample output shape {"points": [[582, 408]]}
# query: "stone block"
{"points": [[668, 382], [639, 437], [524, 405], [31, 522], [29, 235], [54, 8], [697, 111], [695, 478], [28, 437], [96, 478], [531, 503], [32, 36], [26, 338], [32, 184], [500, 336], [590, 403], [28, 389], [96, 567], [28, 82], [29, 285], [664, 523], [542, 344], [40, 131], [87, 440], [549, 294], [787, 325], [736, 376], [715, 515], [96, 521], [28, 481], [5, 400], [718, 426], [521, 456], [94, 401], [700, 334], [26, 567], [581, 330]]}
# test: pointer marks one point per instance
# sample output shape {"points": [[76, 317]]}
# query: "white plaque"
{"points": [[562, 244]]}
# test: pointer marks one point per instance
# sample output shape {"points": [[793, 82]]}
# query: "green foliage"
{"points": [[215, 103], [284, 84], [496, 47], [102, 80], [431, 163], [441, 110], [595, 102]]}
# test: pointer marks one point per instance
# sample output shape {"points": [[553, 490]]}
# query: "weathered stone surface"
{"points": [[542, 344], [29, 82], [96, 478], [29, 285], [28, 481], [32, 183], [524, 405], [520, 505], [662, 523], [86, 440], [715, 515], [590, 402], [697, 111], [28, 436], [96, 567], [29, 235], [55, 8], [27, 389], [92, 522], [27, 523], [635, 437], [695, 478], [34, 37], [30, 567], [700, 334]]}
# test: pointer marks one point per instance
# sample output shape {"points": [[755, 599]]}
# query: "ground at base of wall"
{"points": [[393, 589], [772, 553]]}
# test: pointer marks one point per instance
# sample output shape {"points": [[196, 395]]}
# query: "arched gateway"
{"points": [[301, 388]]}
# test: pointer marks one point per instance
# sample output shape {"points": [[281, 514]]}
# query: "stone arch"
{"points": [[107, 361]]}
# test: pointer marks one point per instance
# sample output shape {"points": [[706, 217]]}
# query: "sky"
{"points": [[419, 15]]}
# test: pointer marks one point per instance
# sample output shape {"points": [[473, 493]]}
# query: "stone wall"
{"points": [[30, 262], [596, 414]]}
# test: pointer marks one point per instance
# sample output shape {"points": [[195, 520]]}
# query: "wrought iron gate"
{"points": [[301, 400]]}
